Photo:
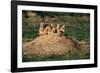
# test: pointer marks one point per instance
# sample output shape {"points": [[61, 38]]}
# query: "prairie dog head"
{"points": [[54, 30], [48, 28]]}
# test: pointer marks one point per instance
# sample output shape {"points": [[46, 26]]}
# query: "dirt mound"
{"points": [[50, 45]]}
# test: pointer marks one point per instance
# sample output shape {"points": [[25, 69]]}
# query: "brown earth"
{"points": [[53, 45]]}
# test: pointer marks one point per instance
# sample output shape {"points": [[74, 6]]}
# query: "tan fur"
{"points": [[62, 29], [49, 29], [41, 29], [53, 28], [58, 28]]}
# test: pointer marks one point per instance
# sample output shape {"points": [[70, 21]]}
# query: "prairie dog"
{"points": [[46, 30], [41, 29], [54, 30], [58, 28], [49, 28], [62, 29]]}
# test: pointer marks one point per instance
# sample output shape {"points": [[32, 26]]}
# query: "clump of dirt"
{"points": [[52, 44]]}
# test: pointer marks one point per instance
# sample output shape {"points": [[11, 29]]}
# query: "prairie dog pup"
{"points": [[47, 30], [58, 28], [41, 29], [62, 29], [54, 30]]}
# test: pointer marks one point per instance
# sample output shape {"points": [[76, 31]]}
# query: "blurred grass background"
{"points": [[77, 26]]}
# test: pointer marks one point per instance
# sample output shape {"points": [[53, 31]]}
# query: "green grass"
{"points": [[80, 32]]}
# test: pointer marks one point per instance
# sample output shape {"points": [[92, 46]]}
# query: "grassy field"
{"points": [[76, 26]]}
